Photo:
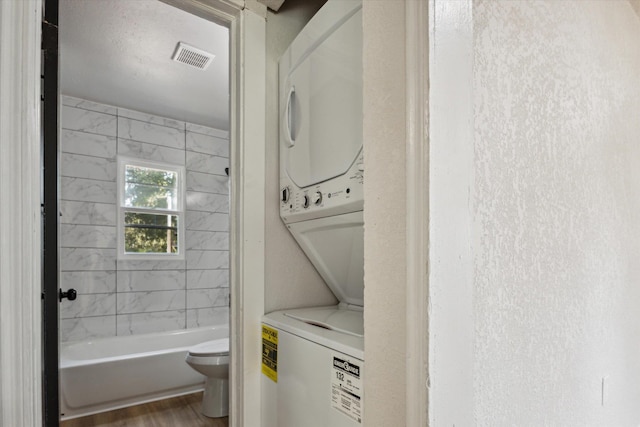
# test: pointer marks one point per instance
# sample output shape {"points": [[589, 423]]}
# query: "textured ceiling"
{"points": [[119, 52]]}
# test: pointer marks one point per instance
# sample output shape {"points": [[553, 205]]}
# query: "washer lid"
{"points": [[351, 344], [346, 321], [211, 348]]}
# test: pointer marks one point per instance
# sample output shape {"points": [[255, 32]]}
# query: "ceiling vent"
{"points": [[192, 56]]}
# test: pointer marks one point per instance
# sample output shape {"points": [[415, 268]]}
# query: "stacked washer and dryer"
{"points": [[313, 358]]}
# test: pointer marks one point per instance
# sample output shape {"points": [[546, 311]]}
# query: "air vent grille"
{"points": [[192, 56]]}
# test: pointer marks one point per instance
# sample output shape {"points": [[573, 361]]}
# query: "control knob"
{"points": [[286, 194], [317, 198], [305, 201]]}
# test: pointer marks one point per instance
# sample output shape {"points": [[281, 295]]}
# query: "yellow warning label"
{"points": [[270, 352]]}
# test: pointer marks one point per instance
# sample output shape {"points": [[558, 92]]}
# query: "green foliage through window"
{"points": [[149, 191], [150, 233], [150, 188]]}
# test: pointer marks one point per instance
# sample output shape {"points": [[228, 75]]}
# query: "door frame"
{"points": [[246, 21], [20, 222], [417, 212]]}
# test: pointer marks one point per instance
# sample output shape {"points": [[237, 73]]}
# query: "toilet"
{"points": [[211, 359]]}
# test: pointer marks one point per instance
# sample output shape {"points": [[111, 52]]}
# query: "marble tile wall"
{"points": [[125, 297]]}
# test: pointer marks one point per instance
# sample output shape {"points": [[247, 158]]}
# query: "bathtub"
{"points": [[109, 373]]}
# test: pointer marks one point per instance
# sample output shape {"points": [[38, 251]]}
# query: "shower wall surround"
{"points": [[126, 297]]}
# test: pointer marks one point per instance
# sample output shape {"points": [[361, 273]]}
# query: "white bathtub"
{"points": [[109, 373]]}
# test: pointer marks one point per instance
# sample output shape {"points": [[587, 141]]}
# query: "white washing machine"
{"points": [[319, 378], [313, 358]]}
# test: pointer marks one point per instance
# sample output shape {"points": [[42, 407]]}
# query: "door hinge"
{"points": [[49, 37]]}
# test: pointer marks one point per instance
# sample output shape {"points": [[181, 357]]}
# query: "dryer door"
{"points": [[321, 106], [335, 246]]}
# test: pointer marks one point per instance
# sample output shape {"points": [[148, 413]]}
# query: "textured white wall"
{"points": [[384, 213], [556, 202], [290, 278]]}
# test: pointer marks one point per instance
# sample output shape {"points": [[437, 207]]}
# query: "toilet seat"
{"points": [[211, 348]]}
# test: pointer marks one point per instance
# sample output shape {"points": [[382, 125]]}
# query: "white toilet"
{"points": [[211, 359]]}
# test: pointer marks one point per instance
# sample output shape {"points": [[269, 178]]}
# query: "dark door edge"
{"points": [[50, 215]]}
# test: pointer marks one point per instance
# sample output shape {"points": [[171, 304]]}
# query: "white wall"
{"points": [[556, 203], [549, 185], [384, 213], [290, 278]]}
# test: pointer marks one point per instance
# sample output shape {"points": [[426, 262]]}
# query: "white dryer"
{"points": [[313, 358]]}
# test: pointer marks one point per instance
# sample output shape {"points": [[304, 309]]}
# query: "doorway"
{"points": [[144, 200], [241, 22]]}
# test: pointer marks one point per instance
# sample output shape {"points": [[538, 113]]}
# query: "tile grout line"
{"points": [[184, 239], [117, 218]]}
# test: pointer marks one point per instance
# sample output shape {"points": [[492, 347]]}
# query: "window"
{"points": [[151, 214]]}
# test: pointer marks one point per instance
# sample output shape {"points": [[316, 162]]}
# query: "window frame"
{"points": [[180, 211]]}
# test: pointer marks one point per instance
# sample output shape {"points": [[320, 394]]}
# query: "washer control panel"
{"points": [[338, 195]]}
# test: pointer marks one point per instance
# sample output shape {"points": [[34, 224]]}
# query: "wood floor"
{"points": [[182, 411]]}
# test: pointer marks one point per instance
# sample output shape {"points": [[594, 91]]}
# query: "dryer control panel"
{"points": [[336, 196]]}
